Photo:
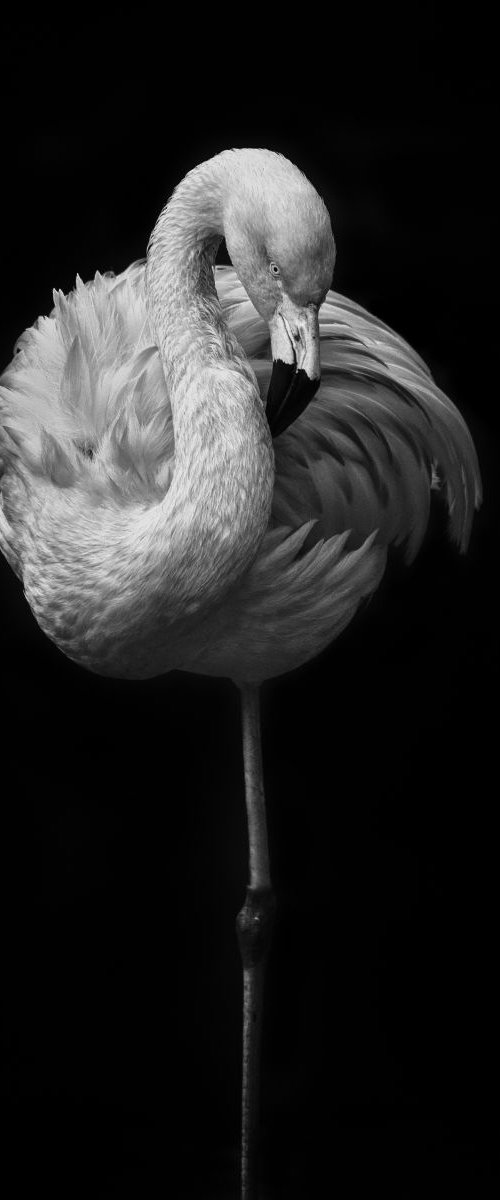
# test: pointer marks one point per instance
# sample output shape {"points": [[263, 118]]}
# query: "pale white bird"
{"points": [[152, 518]]}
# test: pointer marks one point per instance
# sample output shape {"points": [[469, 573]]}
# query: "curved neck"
{"points": [[181, 297], [217, 508]]}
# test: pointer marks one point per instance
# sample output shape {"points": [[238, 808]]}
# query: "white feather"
{"points": [[89, 456]]}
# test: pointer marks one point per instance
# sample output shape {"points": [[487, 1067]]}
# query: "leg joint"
{"points": [[254, 925]]}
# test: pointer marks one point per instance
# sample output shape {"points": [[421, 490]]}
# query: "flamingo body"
{"points": [[88, 457]]}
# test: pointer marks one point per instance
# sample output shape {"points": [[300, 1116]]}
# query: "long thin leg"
{"points": [[254, 925]]}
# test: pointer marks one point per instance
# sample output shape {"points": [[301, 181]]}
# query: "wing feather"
{"points": [[377, 438], [85, 396]]}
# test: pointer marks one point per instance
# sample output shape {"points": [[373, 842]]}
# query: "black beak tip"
{"points": [[290, 391]]}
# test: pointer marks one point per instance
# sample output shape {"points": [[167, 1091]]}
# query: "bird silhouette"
{"points": [[162, 514]]}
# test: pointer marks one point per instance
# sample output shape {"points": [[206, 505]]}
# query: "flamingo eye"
{"points": [[274, 269]]}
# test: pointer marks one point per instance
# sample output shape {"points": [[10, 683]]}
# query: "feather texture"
{"points": [[86, 424]]}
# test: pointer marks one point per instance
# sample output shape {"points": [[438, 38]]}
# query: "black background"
{"points": [[123, 847]]}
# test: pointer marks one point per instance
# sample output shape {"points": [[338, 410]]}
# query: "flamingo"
{"points": [[161, 514]]}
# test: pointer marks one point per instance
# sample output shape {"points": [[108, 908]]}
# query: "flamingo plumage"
{"points": [[152, 519], [87, 422]]}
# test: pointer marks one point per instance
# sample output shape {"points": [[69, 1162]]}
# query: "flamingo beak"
{"points": [[296, 363]]}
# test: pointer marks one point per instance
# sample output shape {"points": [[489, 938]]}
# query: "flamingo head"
{"points": [[279, 237]]}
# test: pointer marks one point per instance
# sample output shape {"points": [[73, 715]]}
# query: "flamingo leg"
{"points": [[254, 926]]}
